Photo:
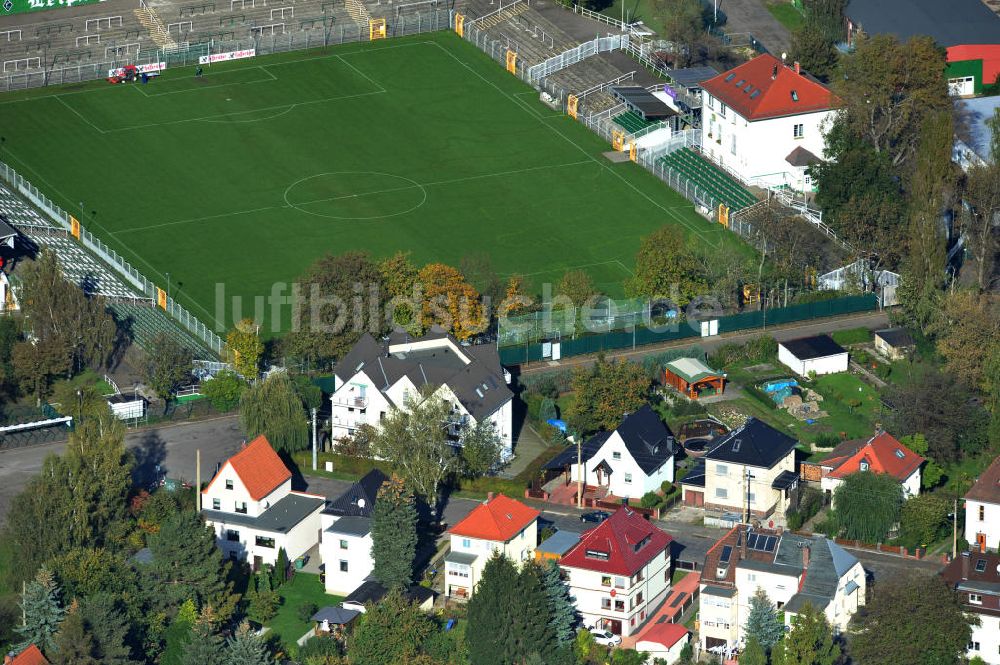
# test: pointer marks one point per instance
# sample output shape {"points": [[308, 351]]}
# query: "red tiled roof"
{"points": [[667, 634], [617, 537], [987, 488], [988, 53], [259, 468], [763, 87], [30, 656], [499, 519], [883, 453]]}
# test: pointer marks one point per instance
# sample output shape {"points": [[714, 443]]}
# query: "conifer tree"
{"points": [[490, 620], [280, 570], [394, 534], [246, 648], [532, 630], [42, 611], [109, 627], [762, 621], [753, 654], [561, 604], [74, 645], [392, 631], [810, 641], [205, 646]]}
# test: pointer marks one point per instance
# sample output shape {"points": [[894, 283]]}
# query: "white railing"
{"points": [[597, 16], [575, 55], [496, 12], [601, 87]]}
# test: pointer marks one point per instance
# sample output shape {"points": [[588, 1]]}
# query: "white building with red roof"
{"points": [[619, 572], [253, 510], [765, 121], [499, 524], [982, 511], [880, 454]]}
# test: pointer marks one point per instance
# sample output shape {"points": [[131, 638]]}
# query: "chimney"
{"points": [[9, 658], [743, 542], [798, 68], [965, 565], [805, 557], [489, 496]]}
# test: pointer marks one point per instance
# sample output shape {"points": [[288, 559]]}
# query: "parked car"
{"points": [[605, 637], [595, 516]]}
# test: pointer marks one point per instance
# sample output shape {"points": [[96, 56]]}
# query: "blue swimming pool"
{"points": [[780, 389]]}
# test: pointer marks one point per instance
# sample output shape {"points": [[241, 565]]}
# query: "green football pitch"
{"points": [[244, 176]]}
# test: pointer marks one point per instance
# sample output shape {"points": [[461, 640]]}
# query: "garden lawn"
{"points": [[837, 390], [303, 588], [852, 336], [786, 14]]}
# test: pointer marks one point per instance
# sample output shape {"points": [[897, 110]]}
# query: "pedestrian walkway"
{"points": [[681, 596]]}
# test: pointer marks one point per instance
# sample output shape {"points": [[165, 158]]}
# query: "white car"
{"points": [[605, 637]]}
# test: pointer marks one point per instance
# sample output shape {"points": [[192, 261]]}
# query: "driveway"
{"points": [[752, 16]]}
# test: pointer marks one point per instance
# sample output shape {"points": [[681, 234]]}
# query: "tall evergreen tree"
{"points": [[280, 570], [753, 654], [490, 610], [561, 604], [246, 648], [394, 534], [187, 564], [42, 611], [109, 627], [392, 631], [532, 631], [810, 641], [205, 647], [74, 645], [762, 621]]}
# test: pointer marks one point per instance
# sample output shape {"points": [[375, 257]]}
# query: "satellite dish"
{"points": [[361, 503]]}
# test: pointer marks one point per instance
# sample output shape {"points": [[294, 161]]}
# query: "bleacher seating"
{"points": [[13, 210], [632, 122], [81, 268], [706, 174], [145, 322]]}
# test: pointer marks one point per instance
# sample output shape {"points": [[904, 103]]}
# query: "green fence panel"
{"points": [[740, 321]]}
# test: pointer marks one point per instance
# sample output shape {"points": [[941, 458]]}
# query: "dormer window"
{"points": [[900, 454], [642, 543], [795, 96], [864, 466], [599, 555]]}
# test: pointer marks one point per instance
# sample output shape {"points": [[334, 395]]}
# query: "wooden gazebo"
{"points": [[693, 378]]}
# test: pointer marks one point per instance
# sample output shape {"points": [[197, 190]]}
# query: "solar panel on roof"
{"points": [[770, 543], [727, 553], [980, 565], [752, 541]]}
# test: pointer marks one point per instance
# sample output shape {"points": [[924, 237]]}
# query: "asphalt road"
{"points": [[873, 320]]}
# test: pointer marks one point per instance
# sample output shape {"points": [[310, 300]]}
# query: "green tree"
{"points": [[810, 641], [754, 653], [10, 333], [187, 565], [562, 605], [224, 390], [605, 392], [392, 631], [245, 349], [168, 365], [89, 572], [687, 653], [279, 572], [41, 611], [923, 518], [913, 618], [394, 535], [324, 327], [272, 407], [684, 25], [481, 449], [109, 626], [413, 440], [577, 286], [666, 267], [70, 330], [179, 634], [205, 646], [74, 645], [246, 648], [399, 276], [867, 505], [262, 600], [814, 51], [762, 623]]}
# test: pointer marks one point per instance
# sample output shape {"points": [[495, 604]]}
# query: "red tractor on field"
{"points": [[128, 73]]}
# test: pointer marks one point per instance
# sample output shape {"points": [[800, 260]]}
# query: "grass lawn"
{"points": [[837, 390], [304, 588], [679, 575], [852, 336], [636, 10], [786, 14], [236, 181]]}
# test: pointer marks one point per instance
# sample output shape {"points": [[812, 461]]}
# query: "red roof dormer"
{"points": [[766, 88], [620, 545]]}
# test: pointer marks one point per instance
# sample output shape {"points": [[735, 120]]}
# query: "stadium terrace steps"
{"points": [[501, 17], [706, 174], [157, 31], [146, 322], [632, 122]]}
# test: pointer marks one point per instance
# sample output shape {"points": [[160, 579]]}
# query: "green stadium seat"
{"points": [[632, 122], [705, 174]]}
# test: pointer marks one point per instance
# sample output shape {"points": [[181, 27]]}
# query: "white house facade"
{"points": [[346, 542], [982, 511], [619, 572], [253, 510], [375, 377], [880, 454], [765, 122]]}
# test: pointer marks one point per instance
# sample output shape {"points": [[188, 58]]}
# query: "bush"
{"points": [[852, 336], [224, 390], [650, 500], [827, 440], [306, 611], [794, 519], [547, 410], [683, 407], [668, 488], [534, 402], [810, 503], [549, 384], [761, 349]]}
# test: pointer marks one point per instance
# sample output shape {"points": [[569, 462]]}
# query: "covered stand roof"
{"points": [[643, 102], [692, 77]]}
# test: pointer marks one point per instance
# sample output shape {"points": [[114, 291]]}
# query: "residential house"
{"points": [[750, 470], [894, 343], [29, 656], [253, 510], [375, 377], [975, 578], [346, 542], [975, 148], [881, 453], [765, 121], [619, 572], [808, 355], [499, 524], [982, 510], [664, 641], [635, 458], [793, 570]]}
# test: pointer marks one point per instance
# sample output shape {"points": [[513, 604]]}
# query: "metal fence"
{"points": [[641, 336], [576, 54]]}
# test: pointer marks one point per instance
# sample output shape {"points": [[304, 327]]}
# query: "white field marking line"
{"points": [[335, 198], [79, 115], [628, 184], [234, 69], [625, 268], [363, 75], [271, 78]]}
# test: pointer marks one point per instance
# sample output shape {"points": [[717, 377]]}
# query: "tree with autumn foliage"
{"points": [[666, 267], [605, 392], [245, 349], [450, 301], [514, 300]]}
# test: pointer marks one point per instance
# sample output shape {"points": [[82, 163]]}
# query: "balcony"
{"points": [[350, 401]]}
